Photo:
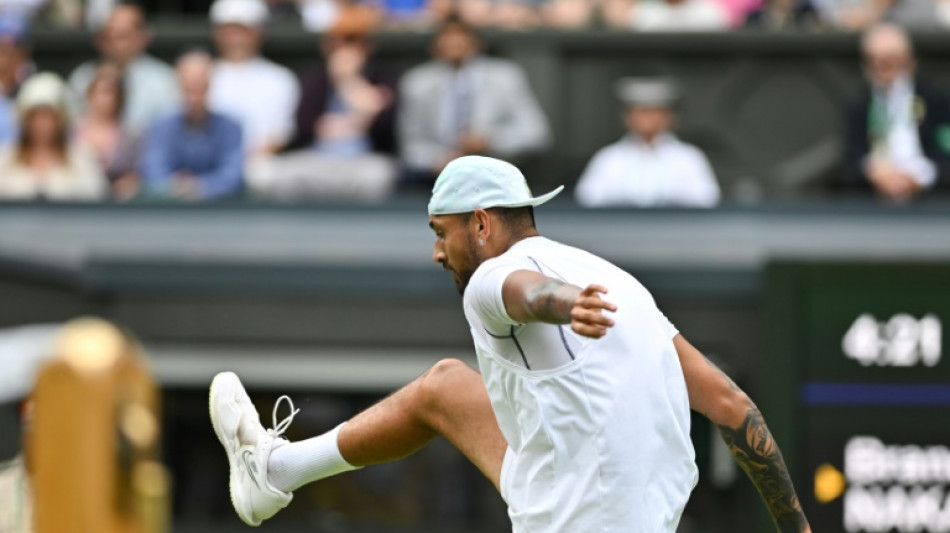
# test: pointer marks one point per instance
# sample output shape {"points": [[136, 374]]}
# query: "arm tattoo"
{"points": [[552, 301], [754, 448]]}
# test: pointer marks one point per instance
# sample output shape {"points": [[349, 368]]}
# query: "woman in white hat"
{"points": [[41, 164]]}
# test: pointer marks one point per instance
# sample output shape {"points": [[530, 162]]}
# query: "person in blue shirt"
{"points": [[194, 154], [15, 68]]}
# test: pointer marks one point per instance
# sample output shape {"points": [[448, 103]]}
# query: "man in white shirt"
{"points": [[260, 94], [650, 166], [898, 131], [581, 414], [151, 87]]}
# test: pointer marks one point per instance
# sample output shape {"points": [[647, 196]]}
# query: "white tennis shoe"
{"points": [[248, 445]]}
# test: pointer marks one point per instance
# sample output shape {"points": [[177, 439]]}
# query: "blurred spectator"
{"points": [[9, 125], [917, 14], [65, 13], [898, 131], [401, 13], [195, 154], [347, 85], [943, 12], [318, 15], [15, 64], [567, 14], [464, 103], [521, 14], [47, 12], [784, 15], [100, 131], [150, 86], [24, 8], [677, 15], [321, 15], [345, 121], [15, 67], [508, 14], [260, 94], [649, 167], [97, 12], [42, 164], [737, 11], [861, 14]]}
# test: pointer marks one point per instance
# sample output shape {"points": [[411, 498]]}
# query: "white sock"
{"points": [[293, 465]]}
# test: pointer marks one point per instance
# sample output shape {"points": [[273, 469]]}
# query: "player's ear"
{"points": [[481, 224]]}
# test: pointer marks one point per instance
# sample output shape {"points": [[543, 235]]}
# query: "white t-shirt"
{"points": [[630, 172], [261, 95], [598, 430]]}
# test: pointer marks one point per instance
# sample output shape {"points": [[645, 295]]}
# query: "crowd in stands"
{"points": [[643, 15], [229, 122]]}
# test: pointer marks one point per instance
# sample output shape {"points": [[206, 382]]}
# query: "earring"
{"points": [[481, 242]]}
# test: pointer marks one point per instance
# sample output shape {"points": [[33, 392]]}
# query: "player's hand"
{"points": [[587, 315]]}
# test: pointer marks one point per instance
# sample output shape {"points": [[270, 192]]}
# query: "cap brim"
{"points": [[537, 200]]}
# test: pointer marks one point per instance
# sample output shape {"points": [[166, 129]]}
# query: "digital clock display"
{"points": [[857, 390]]}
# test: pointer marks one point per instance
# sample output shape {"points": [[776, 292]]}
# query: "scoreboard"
{"points": [[856, 375]]}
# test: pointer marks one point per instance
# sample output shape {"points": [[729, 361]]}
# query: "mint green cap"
{"points": [[476, 182]]}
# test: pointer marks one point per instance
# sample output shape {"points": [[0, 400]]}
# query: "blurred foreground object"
{"points": [[93, 449]]}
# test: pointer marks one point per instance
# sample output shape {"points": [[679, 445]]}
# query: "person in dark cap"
{"points": [[649, 166], [15, 68]]}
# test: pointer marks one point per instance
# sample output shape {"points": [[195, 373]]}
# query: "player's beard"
{"points": [[463, 272]]}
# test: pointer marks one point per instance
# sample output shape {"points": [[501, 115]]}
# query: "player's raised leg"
{"points": [[449, 399]]}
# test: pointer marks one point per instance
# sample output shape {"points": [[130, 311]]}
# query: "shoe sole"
{"points": [[215, 384]]}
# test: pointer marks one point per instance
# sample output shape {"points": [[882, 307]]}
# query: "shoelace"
{"points": [[280, 428]]}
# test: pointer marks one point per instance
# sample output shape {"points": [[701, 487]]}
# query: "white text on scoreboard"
{"points": [[904, 488], [901, 341]]}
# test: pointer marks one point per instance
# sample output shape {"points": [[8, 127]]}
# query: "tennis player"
{"points": [[580, 416]]}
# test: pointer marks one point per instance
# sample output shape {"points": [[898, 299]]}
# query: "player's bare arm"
{"points": [[716, 396], [533, 297]]}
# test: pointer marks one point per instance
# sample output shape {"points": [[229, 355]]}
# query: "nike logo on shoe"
{"points": [[250, 466]]}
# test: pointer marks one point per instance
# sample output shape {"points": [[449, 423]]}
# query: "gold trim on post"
{"points": [[96, 434]]}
